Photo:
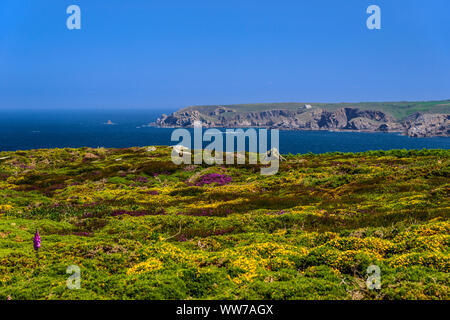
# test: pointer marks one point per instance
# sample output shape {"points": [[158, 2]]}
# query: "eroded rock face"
{"points": [[179, 119], [418, 125], [427, 125]]}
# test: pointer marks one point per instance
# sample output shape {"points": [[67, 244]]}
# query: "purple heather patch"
{"points": [[223, 231], [210, 178], [202, 213], [278, 213], [141, 179], [158, 173], [82, 234], [137, 213]]}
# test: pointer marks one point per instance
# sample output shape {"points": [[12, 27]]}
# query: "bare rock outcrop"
{"points": [[427, 125]]}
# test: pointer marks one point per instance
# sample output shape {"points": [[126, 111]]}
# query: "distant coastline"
{"points": [[415, 119]]}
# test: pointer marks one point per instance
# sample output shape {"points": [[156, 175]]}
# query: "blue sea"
{"points": [[23, 130]]}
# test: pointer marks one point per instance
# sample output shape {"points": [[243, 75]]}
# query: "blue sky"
{"points": [[170, 54]]}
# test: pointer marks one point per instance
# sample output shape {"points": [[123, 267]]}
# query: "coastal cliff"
{"points": [[428, 125], [309, 117]]}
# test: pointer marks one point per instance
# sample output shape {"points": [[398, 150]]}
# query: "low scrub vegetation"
{"points": [[140, 227]]}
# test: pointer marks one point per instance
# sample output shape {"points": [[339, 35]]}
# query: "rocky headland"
{"points": [[308, 117]]}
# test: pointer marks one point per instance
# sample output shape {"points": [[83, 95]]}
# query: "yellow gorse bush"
{"points": [[374, 245], [438, 261], [150, 265], [5, 207]]}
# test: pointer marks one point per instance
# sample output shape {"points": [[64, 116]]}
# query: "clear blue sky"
{"points": [[170, 54]]}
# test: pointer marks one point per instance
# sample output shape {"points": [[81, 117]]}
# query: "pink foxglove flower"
{"points": [[37, 244], [37, 241]]}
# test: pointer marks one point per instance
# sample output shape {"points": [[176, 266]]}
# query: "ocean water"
{"points": [[23, 130]]}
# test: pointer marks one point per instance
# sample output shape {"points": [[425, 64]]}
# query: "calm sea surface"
{"points": [[21, 130]]}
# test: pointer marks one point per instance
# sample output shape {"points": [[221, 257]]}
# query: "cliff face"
{"points": [[417, 125], [428, 125]]}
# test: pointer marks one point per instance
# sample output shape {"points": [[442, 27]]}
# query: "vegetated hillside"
{"points": [[416, 119], [140, 227]]}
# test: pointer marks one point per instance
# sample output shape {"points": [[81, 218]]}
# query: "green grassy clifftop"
{"points": [[399, 110]]}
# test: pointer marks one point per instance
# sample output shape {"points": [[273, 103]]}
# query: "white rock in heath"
{"points": [[181, 150]]}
